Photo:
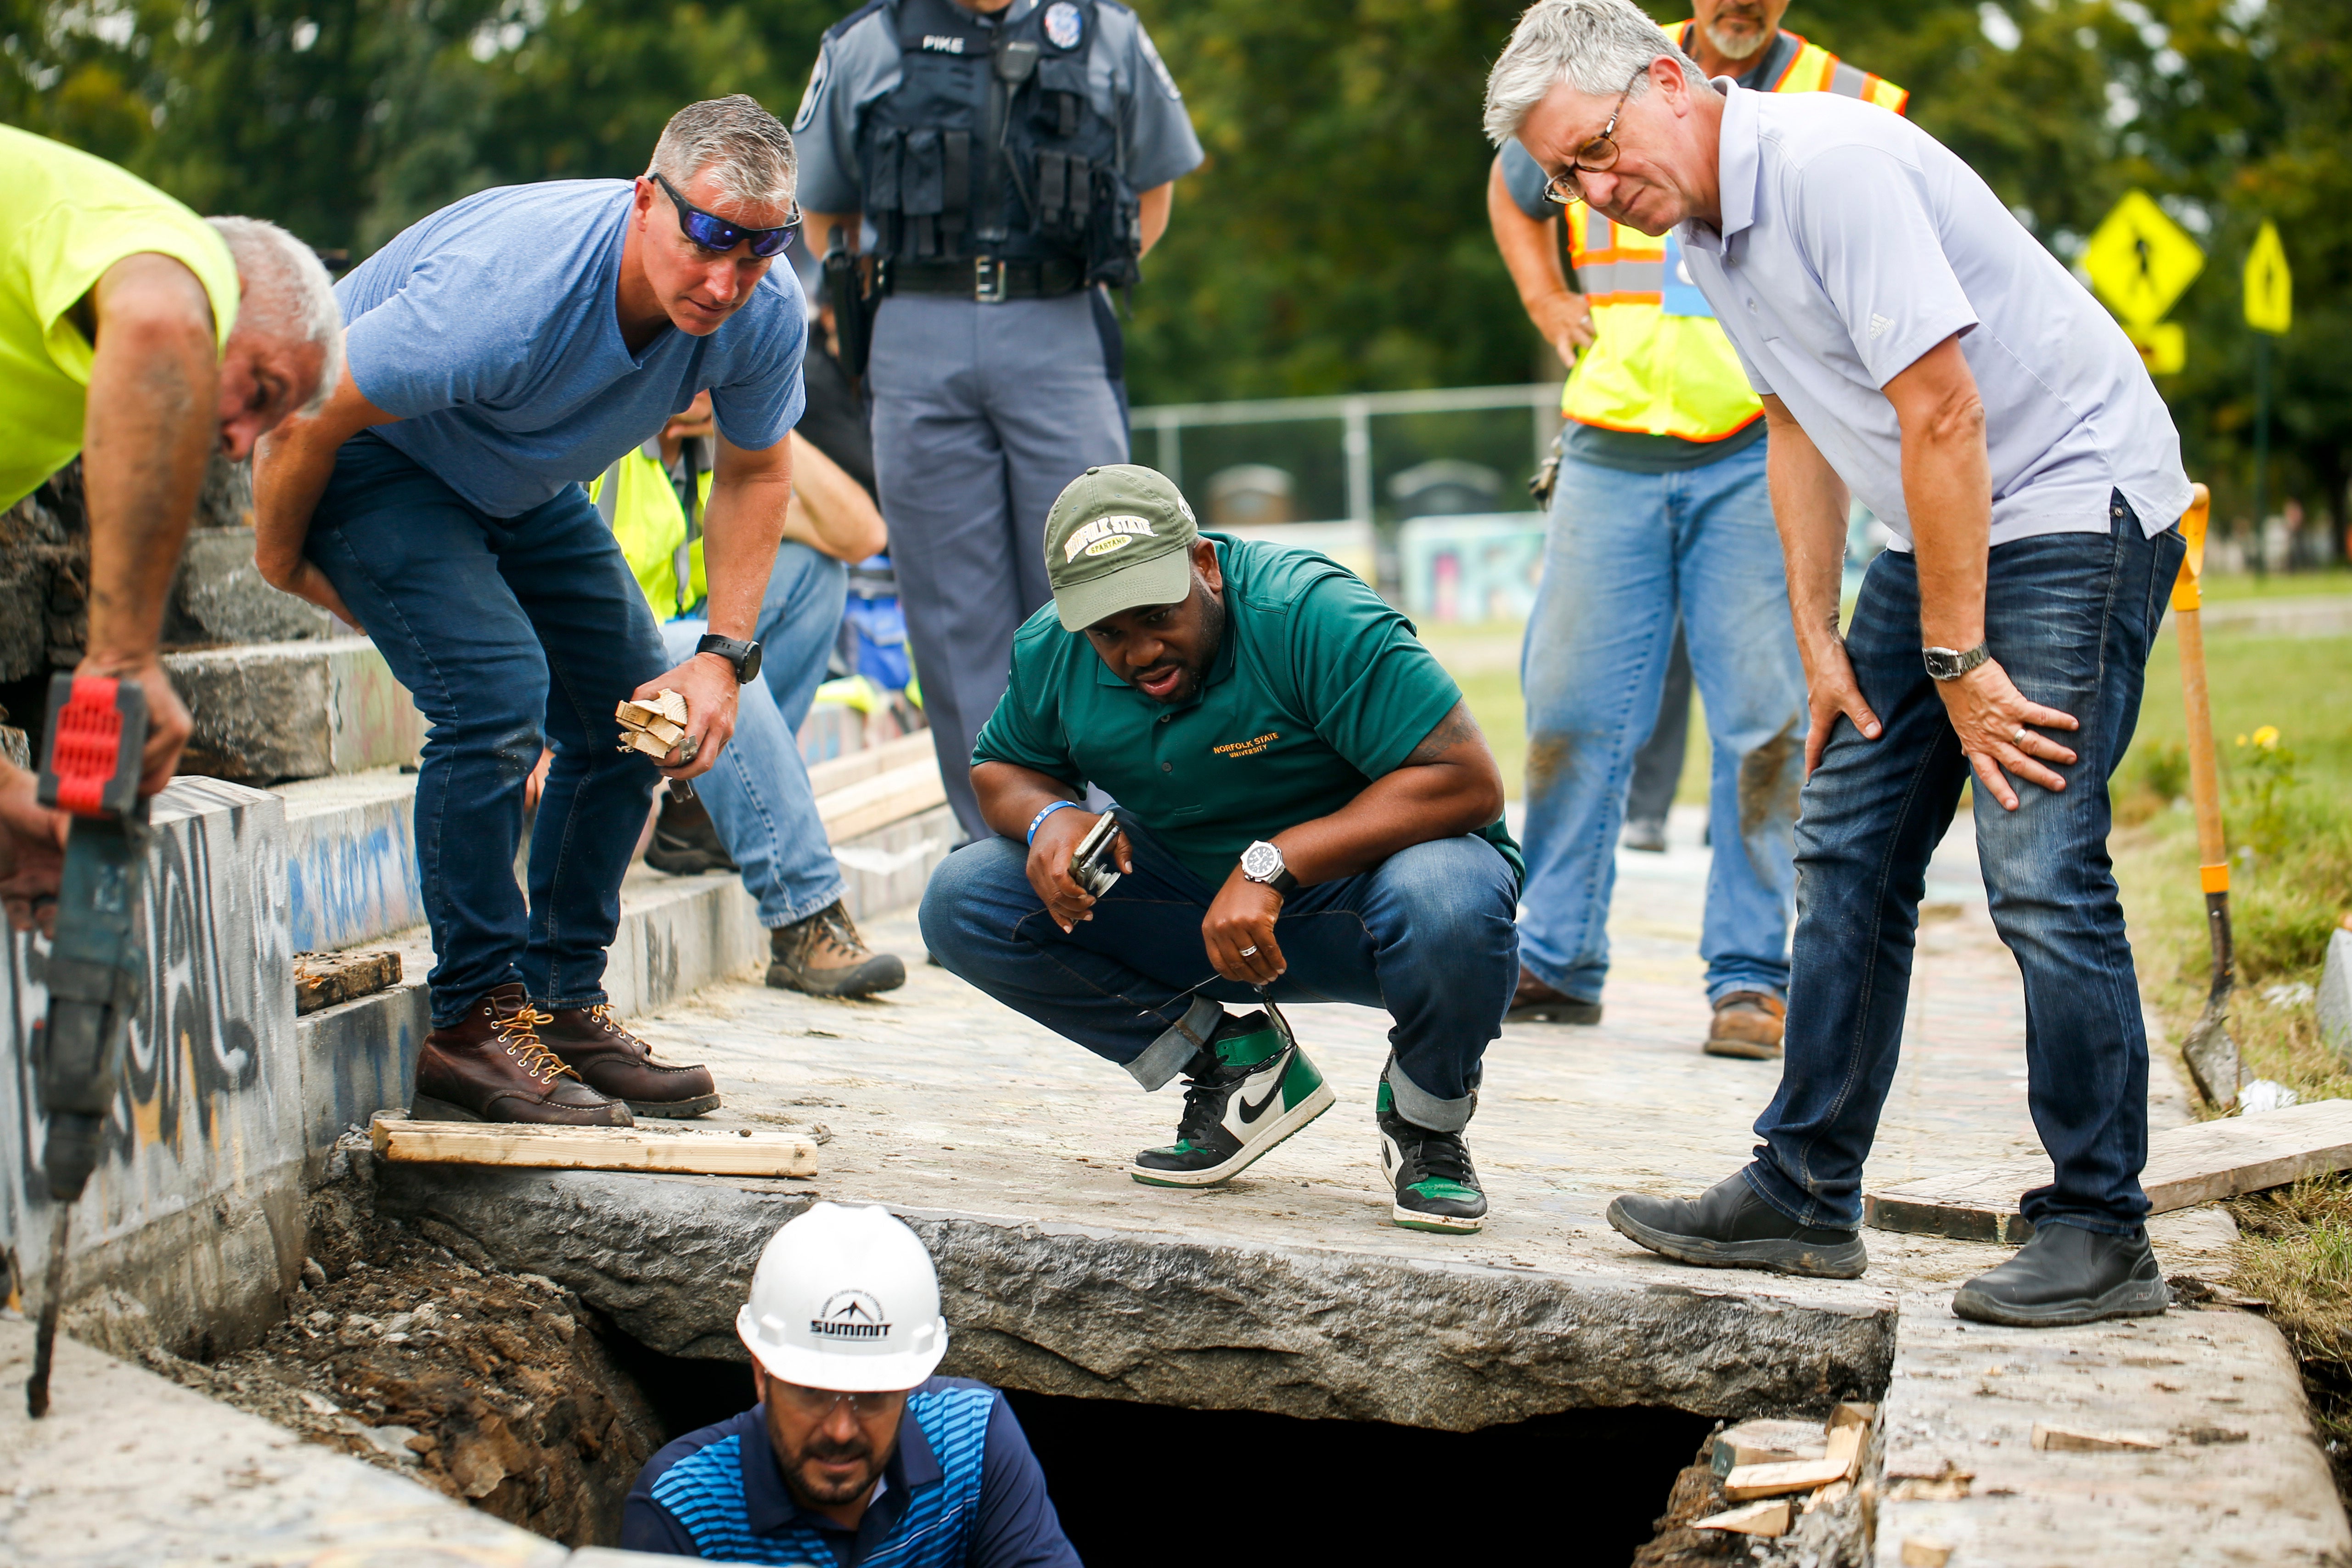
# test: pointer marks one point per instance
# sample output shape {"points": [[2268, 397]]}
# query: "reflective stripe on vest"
{"points": [[1656, 374]]}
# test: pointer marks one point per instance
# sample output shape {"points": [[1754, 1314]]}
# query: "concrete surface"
{"points": [[350, 850], [1288, 1290], [2318, 615], [273, 711], [195, 1208], [2238, 1478], [131, 1469]]}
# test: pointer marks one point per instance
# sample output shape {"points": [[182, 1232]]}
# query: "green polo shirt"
{"points": [[1319, 688]]}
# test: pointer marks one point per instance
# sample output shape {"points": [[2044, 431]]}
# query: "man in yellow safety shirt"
{"points": [[1659, 511]]}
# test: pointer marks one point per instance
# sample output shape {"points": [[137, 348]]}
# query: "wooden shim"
{"points": [[2078, 1440], [856, 766], [1767, 1519], [1768, 1443], [1752, 1481], [677, 1151], [880, 801], [2186, 1166]]}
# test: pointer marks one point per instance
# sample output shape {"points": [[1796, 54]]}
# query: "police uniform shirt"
{"points": [[1127, 82]]}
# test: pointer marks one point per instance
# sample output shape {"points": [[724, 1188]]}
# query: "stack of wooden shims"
{"points": [[1763, 1464], [654, 726]]}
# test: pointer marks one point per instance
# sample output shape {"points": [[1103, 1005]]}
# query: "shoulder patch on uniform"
{"points": [[1066, 24], [1158, 66], [815, 89], [838, 28]]}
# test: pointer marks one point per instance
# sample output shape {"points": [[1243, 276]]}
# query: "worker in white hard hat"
{"points": [[856, 1454]]}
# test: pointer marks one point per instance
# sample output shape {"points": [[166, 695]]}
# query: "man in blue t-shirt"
{"points": [[501, 353], [856, 1454]]}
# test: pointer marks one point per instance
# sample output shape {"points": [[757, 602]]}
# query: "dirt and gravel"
{"points": [[492, 1388]]}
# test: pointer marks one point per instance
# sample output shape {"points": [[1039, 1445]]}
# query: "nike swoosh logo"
{"points": [[1251, 1113]]}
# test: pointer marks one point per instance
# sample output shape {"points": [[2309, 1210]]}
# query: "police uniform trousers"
{"points": [[982, 414]]}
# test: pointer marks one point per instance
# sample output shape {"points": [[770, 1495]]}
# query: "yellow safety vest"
{"points": [[650, 525], [1661, 372]]}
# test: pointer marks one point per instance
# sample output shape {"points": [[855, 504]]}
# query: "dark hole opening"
{"points": [[1276, 1489]]}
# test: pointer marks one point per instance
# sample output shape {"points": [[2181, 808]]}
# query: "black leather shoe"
{"points": [[1728, 1227], [2066, 1274]]}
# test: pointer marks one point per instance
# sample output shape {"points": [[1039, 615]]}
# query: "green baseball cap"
{"points": [[1119, 538]]}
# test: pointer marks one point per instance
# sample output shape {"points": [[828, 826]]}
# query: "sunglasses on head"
{"points": [[714, 233]]}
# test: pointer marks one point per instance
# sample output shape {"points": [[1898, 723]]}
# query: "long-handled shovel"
{"points": [[2213, 1054]]}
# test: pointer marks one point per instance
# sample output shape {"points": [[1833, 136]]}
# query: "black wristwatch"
{"points": [[1262, 863], [744, 656], [1950, 664]]}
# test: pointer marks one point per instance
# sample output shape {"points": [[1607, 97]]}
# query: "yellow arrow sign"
{"points": [[2140, 260], [2269, 288]]}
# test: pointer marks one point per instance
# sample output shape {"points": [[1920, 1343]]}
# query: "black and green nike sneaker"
{"points": [[1249, 1089], [1436, 1186]]}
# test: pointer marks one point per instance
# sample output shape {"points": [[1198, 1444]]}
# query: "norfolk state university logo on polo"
{"points": [[1105, 536], [851, 1316]]}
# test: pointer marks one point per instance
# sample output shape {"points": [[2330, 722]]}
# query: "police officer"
{"points": [[1016, 160]]}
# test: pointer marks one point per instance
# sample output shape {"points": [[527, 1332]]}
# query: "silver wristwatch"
{"points": [[1950, 664], [1261, 862]]}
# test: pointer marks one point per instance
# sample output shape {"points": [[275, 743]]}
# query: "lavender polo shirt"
{"points": [[1852, 243]]}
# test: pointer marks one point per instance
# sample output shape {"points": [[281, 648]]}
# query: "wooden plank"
{"points": [[856, 766], [686, 1151], [2186, 1166], [887, 798], [323, 979]]}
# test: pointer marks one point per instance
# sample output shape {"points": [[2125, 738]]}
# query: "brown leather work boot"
{"points": [[490, 1066], [824, 956], [1535, 1002], [614, 1062], [1747, 1024]]}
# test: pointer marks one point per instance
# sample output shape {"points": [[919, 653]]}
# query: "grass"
{"points": [[2288, 821]]}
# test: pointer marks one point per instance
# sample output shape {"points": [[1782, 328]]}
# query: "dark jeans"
{"points": [[502, 629], [2069, 617], [1427, 937]]}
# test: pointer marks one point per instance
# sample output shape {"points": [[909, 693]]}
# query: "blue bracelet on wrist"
{"points": [[1039, 820]]}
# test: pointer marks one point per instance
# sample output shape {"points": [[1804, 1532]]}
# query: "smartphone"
{"points": [[1093, 864]]}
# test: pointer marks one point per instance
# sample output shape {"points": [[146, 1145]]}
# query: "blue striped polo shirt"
{"points": [[960, 1489]]}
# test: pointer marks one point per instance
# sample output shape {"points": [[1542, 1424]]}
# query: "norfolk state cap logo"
{"points": [[851, 1316], [1106, 535]]}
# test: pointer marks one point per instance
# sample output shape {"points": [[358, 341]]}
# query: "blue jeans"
{"points": [[2071, 618], [502, 629], [1427, 936], [1626, 551], [758, 794]]}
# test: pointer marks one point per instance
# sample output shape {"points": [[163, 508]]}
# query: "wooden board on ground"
{"points": [[2185, 1165], [323, 979], [675, 1150], [878, 802]]}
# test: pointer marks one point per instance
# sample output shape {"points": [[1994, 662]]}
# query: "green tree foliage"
{"points": [[1336, 239]]}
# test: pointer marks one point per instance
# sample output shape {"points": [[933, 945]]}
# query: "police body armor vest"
{"points": [[1659, 363], [991, 146]]}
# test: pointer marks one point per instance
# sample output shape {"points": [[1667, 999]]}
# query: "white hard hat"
{"points": [[846, 1299]]}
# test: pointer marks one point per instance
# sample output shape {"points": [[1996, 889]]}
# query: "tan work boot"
{"points": [[490, 1066], [615, 1063], [1747, 1024], [824, 956]]}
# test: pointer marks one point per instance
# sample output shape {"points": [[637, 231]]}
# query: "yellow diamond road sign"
{"points": [[2270, 290], [2140, 260], [2163, 348]]}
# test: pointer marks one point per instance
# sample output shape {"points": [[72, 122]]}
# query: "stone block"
{"points": [[218, 597], [350, 842], [295, 710], [888, 869], [678, 934], [2336, 994], [194, 1210], [360, 1057]]}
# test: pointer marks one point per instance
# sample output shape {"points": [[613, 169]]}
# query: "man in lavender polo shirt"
{"points": [[1916, 347]]}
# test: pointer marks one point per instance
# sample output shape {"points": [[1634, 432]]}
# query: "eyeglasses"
{"points": [[1597, 156], [714, 233], [816, 1404]]}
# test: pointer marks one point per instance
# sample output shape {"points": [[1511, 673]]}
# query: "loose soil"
{"points": [[491, 1387]]}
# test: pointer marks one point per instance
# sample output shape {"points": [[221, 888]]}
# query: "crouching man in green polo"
{"points": [[1305, 813]]}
